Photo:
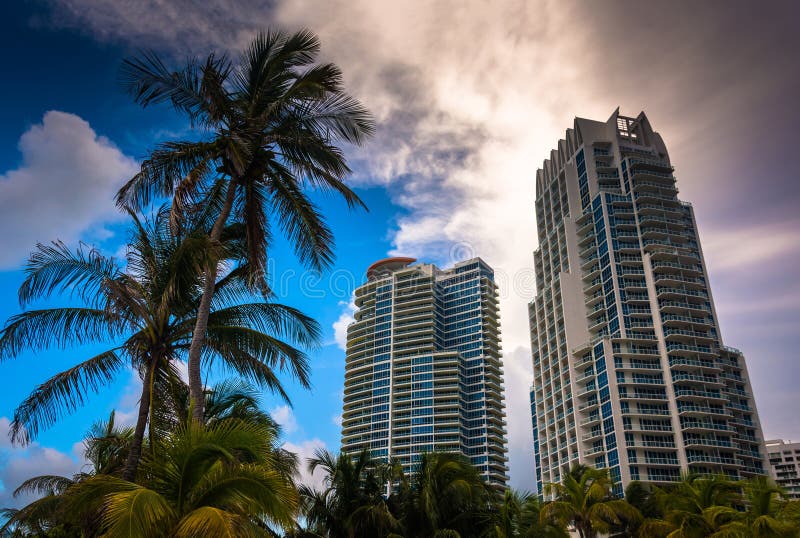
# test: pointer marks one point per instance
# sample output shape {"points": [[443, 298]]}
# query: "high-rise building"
{"points": [[784, 462], [630, 371], [423, 370]]}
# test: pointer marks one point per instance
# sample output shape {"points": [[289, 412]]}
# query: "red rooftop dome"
{"points": [[388, 265]]}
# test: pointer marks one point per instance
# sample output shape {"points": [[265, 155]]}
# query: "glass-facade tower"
{"points": [[423, 370], [630, 371]]}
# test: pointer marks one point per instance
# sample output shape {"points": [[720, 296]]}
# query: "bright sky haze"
{"points": [[469, 98]]}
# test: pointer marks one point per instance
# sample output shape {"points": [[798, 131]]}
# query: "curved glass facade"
{"points": [[423, 370]]}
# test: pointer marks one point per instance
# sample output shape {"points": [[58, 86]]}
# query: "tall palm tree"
{"points": [[146, 312], [352, 503], [584, 501], [272, 123], [447, 497]]}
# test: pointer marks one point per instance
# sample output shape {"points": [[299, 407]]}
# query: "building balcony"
{"points": [[699, 425], [691, 409], [663, 266], [692, 394], [694, 378], [647, 396], [666, 444], [647, 412], [661, 462], [593, 286], [708, 442], [719, 460]]}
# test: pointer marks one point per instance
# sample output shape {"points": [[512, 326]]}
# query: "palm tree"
{"points": [[518, 516], [644, 497], [767, 513], [584, 501], [696, 506], [447, 497], [199, 481], [352, 503], [229, 399], [147, 312], [272, 122]]}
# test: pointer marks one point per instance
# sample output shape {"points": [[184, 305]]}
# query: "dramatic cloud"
{"points": [[63, 188], [21, 463], [471, 96]]}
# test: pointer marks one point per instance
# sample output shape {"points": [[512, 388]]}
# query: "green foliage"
{"points": [[352, 503], [584, 501], [232, 464], [520, 515], [446, 494]]}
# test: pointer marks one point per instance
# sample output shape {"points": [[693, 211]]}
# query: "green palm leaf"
{"points": [[63, 393], [63, 327]]}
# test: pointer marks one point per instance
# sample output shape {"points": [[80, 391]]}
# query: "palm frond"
{"points": [[248, 489], [240, 346], [301, 221], [271, 318], [54, 268], [44, 485], [176, 169], [251, 368], [212, 521], [62, 394], [62, 327], [148, 80], [137, 511]]}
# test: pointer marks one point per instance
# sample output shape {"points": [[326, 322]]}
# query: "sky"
{"points": [[469, 98]]}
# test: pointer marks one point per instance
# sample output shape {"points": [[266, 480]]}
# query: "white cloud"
{"points": [[304, 451], [284, 416], [340, 325], [63, 188], [18, 464]]}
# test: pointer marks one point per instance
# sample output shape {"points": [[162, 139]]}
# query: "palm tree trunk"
{"points": [[196, 395], [135, 451]]}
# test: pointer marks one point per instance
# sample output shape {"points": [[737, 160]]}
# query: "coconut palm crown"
{"points": [[271, 123]]}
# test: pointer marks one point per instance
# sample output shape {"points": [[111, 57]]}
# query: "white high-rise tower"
{"points": [[630, 371], [423, 370]]}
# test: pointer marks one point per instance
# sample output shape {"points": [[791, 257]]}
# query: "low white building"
{"points": [[784, 462]]}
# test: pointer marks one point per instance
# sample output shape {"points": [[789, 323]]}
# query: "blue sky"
{"points": [[469, 98]]}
